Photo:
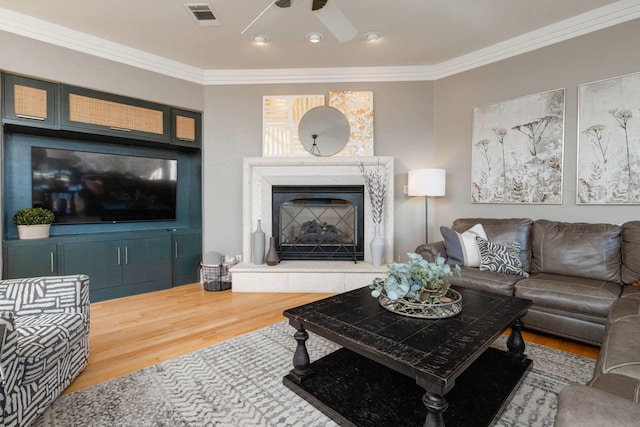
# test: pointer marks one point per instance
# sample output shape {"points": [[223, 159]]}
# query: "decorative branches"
{"points": [[375, 181]]}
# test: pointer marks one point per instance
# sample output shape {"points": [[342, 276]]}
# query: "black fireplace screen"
{"points": [[314, 222]]}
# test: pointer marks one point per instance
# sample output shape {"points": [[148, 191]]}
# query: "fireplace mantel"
{"points": [[261, 173]]}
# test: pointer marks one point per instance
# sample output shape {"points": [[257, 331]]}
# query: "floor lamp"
{"points": [[426, 183]]}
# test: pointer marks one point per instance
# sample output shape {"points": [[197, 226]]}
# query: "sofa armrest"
{"points": [[583, 406], [430, 251], [47, 294]]}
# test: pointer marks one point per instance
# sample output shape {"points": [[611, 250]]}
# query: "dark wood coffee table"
{"points": [[390, 363]]}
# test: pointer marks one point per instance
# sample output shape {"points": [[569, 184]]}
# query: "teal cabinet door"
{"points": [[101, 261], [147, 260], [187, 254], [31, 261]]}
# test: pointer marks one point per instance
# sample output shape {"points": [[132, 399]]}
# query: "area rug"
{"points": [[239, 383]]}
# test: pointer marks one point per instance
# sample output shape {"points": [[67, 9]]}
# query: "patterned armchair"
{"points": [[44, 342]]}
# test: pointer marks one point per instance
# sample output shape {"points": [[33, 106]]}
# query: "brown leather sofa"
{"points": [[581, 284], [611, 397], [577, 270]]}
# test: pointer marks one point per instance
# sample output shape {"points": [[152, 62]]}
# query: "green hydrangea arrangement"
{"points": [[415, 280]]}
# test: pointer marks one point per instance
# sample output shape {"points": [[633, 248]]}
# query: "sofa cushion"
{"points": [[592, 251], [620, 385], [620, 349], [44, 338], [462, 248], [631, 292], [503, 258], [488, 281], [503, 230], [625, 308], [583, 406], [630, 252], [568, 293]]}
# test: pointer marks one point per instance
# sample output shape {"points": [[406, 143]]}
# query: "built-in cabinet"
{"points": [[106, 114], [186, 128], [131, 258], [186, 257], [31, 259], [117, 263], [126, 266], [36, 103], [30, 102]]}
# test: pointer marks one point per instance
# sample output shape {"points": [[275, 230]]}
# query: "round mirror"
{"points": [[323, 131]]}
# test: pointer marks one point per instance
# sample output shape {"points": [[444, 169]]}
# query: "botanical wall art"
{"points": [[609, 141], [280, 118], [517, 150], [357, 106]]}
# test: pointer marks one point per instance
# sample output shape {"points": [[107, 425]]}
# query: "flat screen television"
{"points": [[86, 187]]}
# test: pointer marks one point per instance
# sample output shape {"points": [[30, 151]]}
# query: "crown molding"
{"points": [[588, 22], [316, 75], [47, 32], [604, 17]]}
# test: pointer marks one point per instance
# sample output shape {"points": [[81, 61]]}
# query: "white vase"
{"points": [[377, 247], [258, 244], [40, 231]]}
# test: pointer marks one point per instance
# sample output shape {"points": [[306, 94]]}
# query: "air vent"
{"points": [[203, 14]]}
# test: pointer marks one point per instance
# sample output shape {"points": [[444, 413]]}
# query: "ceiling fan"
{"points": [[329, 14]]}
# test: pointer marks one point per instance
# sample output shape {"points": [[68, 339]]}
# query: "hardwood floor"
{"points": [[134, 332]]}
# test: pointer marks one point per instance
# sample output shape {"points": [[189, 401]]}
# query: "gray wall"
{"points": [[403, 128], [29, 57], [599, 55]]}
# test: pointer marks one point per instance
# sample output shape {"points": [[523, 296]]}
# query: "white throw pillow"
{"points": [[462, 248], [470, 249]]}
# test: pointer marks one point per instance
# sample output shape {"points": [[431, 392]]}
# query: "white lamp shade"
{"points": [[427, 182]]}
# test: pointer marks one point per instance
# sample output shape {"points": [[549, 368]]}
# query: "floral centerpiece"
{"points": [[418, 288]]}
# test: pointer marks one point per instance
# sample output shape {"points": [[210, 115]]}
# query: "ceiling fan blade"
{"points": [[283, 3], [336, 22], [263, 21], [318, 4]]}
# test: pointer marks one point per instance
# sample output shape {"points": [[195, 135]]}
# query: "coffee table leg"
{"points": [[436, 404], [301, 357], [515, 343]]}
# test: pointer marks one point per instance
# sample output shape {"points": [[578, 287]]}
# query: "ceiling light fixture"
{"points": [[260, 39], [314, 37], [372, 36]]}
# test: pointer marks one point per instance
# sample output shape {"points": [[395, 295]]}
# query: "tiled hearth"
{"points": [[259, 175]]}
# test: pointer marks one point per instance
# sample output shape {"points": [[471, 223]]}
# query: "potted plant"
{"points": [[418, 288], [33, 223]]}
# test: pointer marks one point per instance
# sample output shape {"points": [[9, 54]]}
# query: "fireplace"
{"points": [[260, 175], [318, 222]]}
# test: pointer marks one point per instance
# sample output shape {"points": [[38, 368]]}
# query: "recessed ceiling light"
{"points": [[372, 36], [314, 37], [260, 39]]}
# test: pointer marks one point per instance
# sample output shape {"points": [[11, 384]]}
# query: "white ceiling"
{"points": [[424, 38]]}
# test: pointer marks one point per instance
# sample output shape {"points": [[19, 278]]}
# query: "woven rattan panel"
{"points": [[30, 102], [113, 114], [185, 128]]}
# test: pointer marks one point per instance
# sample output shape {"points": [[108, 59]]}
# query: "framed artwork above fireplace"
{"points": [[281, 115]]}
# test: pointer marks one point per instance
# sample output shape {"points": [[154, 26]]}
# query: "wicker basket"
{"points": [[216, 277]]}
